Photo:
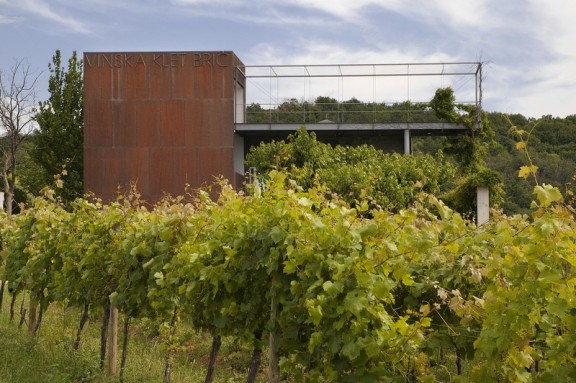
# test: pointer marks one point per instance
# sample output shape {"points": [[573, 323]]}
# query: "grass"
{"points": [[50, 358]]}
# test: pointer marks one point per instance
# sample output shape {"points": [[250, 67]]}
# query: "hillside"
{"points": [[551, 144]]}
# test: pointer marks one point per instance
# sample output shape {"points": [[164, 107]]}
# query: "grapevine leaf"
{"points": [[407, 280], [547, 194], [526, 171]]}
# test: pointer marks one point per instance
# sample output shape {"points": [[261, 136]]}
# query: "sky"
{"points": [[527, 47]]}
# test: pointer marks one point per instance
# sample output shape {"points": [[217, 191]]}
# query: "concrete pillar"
{"points": [[482, 205], [407, 146], [238, 154], [239, 103]]}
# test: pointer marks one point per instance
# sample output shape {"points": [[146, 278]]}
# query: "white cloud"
{"points": [[443, 12], [452, 12], [261, 12], [344, 9], [554, 23], [457, 12], [322, 52], [548, 82], [533, 90], [554, 91], [42, 9], [196, 2], [368, 89], [7, 19]]}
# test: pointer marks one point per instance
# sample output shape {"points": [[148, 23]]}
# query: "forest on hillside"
{"points": [[551, 146]]}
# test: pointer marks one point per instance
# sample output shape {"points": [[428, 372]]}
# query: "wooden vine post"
{"points": [[111, 366], [2, 284], [273, 359], [32, 317]]}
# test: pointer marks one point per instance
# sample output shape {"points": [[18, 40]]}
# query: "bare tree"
{"points": [[17, 111]]}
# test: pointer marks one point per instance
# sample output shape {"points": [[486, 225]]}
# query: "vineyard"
{"points": [[332, 292]]}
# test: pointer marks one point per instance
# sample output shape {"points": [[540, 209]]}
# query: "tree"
{"points": [[30, 174], [468, 151], [17, 100], [60, 121]]}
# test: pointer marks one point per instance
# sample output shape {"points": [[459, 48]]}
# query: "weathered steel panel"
{"points": [[171, 124], [102, 171], [98, 114], [92, 81], [170, 169], [213, 113], [125, 124], [160, 83], [105, 80], [160, 119], [212, 161], [139, 87]]}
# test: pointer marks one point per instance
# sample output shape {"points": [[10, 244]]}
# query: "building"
{"points": [[162, 120]]}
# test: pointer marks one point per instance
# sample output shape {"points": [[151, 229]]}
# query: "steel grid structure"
{"points": [[411, 85]]}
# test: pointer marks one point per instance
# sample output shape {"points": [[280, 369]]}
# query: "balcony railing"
{"points": [[342, 113]]}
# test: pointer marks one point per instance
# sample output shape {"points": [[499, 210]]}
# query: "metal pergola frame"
{"points": [[465, 70], [274, 69]]}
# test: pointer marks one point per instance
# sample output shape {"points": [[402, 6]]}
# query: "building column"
{"points": [[482, 205], [407, 142]]}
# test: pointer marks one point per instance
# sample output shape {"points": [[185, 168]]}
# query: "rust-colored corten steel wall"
{"points": [[159, 119]]}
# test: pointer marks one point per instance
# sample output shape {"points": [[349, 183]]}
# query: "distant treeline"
{"points": [[327, 109]]}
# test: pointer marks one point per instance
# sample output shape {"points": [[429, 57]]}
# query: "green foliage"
{"points": [[30, 174], [148, 244], [327, 109], [530, 296], [274, 244], [59, 141], [390, 180], [43, 262], [355, 173], [89, 240], [15, 232], [462, 197], [467, 149], [443, 104], [352, 293], [547, 143], [468, 152]]}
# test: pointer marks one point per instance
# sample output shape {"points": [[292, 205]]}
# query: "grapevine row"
{"points": [[339, 293]]}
